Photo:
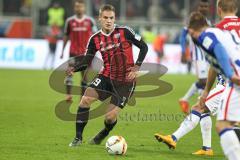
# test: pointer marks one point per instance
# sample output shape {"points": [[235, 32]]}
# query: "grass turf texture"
{"points": [[29, 128]]}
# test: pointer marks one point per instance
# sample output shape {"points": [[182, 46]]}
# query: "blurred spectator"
{"points": [[212, 8], [136, 8], [11, 7], [155, 11], [131, 12], [56, 15], [172, 9], [148, 35], [26, 7], [53, 34], [158, 45], [116, 4], [96, 6]]}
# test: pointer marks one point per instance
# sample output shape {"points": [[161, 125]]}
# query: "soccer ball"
{"points": [[116, 145]]}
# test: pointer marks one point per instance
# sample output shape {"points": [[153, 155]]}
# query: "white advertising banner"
{"points": [[32, 54], [23, 53]]}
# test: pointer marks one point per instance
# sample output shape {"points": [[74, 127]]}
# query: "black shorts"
{"points": [[120, 92]]}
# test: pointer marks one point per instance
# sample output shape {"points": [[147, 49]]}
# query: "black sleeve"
{"points": [[87, 59], [137, 41]]}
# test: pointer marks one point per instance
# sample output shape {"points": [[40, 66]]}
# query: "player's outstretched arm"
{"points": [[212, 74], [67, 31], [65, 40]]}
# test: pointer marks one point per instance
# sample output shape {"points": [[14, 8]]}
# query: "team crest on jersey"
{"points": [[117, 36]]}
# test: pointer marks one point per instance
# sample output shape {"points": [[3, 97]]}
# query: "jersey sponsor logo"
{"points": [[110, 47], [77, 29], [231, 24], [113, 46], [207, 42]]}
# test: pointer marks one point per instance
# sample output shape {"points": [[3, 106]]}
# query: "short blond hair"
{"points": [[106, 7], [228, 5]]}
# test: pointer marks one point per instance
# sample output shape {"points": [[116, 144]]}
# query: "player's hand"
{"points": [[184, 58], [236, 79], [70, 71], [202, 98], [133, 72]]}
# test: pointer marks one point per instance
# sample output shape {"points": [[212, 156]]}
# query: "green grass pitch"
{"points": [[29, 128]]}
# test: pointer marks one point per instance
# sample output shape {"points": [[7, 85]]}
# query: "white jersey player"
{"points": [[222, 51], [226, 11]]}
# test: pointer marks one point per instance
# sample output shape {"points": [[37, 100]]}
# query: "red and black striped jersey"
{"points": [[79, 32], [116, 51]]}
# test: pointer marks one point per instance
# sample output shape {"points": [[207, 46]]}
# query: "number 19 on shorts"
{"points": [[96, 82]]}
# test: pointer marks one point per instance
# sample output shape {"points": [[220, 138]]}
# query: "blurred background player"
{"points": [[158, 46], [227, 10], [78, 30], [198, 60], [56, 15], [53, 34], [117, 79]]}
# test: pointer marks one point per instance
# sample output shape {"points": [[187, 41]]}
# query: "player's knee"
{"points": [[86, 101], [110, 117], [221, 125]]}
